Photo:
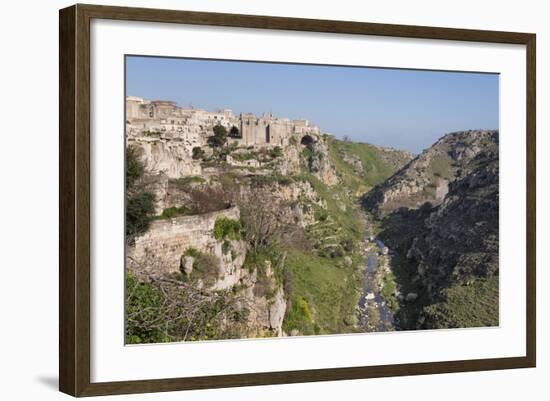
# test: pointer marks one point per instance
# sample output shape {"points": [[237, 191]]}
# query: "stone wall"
{"points": [[159, 250]]}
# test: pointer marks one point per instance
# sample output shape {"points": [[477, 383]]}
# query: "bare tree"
{"points": [[265, 219]]}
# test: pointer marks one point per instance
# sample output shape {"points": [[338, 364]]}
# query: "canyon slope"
{"points": [[439, 214]]}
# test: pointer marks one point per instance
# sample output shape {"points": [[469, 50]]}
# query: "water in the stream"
{"points": [[371, 297]]}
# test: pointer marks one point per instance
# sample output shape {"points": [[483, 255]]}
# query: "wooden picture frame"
{"points": [[74, 199]]}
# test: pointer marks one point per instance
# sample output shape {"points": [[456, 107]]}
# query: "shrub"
{"points": [[299, 318], [191, 252], [172, 212], [226, 228], [278, 178], [152, 133], [134, 167], [219, 138], [245, 156], [139, 208], [321, 214], [142, 301], [263, 287], [139, 202], [348, 244], [184, 182], [277, 151], [206, 268], [198, 153], [226, 247]]}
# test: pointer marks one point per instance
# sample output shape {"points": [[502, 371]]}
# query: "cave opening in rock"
{"points": [[306, 140]]}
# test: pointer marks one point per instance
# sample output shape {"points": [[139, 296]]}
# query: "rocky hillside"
{"points": [[440, 215], [426, 178], [246, 241]]}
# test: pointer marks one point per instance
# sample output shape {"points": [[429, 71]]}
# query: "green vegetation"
{"points": [[442, 166], [139, 210], [307, 154], [173, 211], [323, 284], [321, 294], [152, 133], [474, 304], [205, 266], [343, 219], [320, 214], [245, 156], [272, 178], [219, 138], [299, 318], [134, 167], [185, 182], [226, 228], [193, 252], [142, 300], [139, 201], [198, 153], [275, 152], [375, 169], [388, 291]]}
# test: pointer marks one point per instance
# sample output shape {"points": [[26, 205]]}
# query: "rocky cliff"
{"points": [[426, 178]]}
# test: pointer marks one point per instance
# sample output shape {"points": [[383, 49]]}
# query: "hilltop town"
{"points": [[193, 126]]}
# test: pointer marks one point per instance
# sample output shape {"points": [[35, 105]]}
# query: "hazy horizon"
{"points": [[403, 109]]}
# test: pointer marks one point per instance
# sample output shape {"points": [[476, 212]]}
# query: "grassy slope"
{"points": [[328, 292], [375, 170]]}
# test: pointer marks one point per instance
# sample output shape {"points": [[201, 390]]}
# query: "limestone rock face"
{"points": [[266, 312], [427, 177], [290, 161], [320, 164], [231, 271], [277, 312], [187, 265], [169, 157]]}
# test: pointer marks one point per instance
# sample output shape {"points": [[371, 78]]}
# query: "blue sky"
{"points": [[405, 109]]}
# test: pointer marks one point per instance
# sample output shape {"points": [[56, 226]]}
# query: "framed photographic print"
{"points": [[250, 200]]}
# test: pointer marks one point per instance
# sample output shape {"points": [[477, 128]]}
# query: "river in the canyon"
{"points": [[374, 312]]}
